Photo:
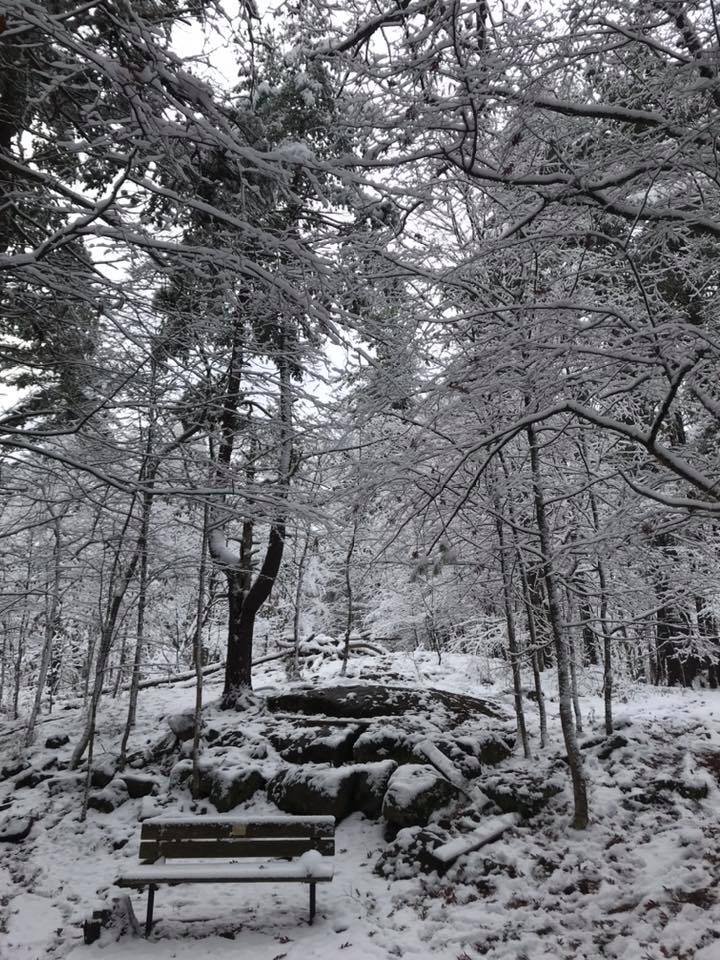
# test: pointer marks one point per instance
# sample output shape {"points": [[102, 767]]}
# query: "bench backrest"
{"points": [[209, 837]]}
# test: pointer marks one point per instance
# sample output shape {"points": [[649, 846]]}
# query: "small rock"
{"points": [[491, 748], [412, 850], [119, 915], [180, 773], [15, 829], [611, 744], [30, 779], [182, 725], [138, 786], [65, 782], [59, 740], [109, 799], [102, 772], [14, 767]]}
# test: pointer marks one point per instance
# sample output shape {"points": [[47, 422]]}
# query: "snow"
{"points": [[301, 869], [229, 819], [444, 765], [640, 884], [409, 781], [494, 828]]}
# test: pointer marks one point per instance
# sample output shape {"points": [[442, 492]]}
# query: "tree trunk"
{"points": [[198, 658], [117, 589], [241, 625], [294, 668], [244, 601], [588, 635], [513, 650], [575, 759], [51, 628], [530, 615], [538, 602], [142, 546], [348, 588], [574, 687]]}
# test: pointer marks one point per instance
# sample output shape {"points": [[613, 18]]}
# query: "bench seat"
{"points": [[144, 874]]}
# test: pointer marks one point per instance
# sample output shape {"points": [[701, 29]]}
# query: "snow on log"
{"points": [[494, 828]]}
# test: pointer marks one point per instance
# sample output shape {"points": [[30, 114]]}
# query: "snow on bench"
{"points": [[310, 867]]}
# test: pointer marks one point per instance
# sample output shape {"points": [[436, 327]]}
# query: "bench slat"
{"points": [[199, 828], [227, 847], [225, 873]]}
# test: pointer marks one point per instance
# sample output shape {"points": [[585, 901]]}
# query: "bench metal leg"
{"points": [[312, 902], [150, 905]]}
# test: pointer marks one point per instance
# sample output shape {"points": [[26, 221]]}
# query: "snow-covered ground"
{"points": [[640, 884]]}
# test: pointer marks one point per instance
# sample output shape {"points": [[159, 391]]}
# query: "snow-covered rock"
{"points": [[334, 791], [15, 829], [314, 790], [56, 741], [13, 767], [109, 798], [415, 792], [228, 788], [182, 725], [384, 743], [370, 784], [524, 790], [327, 744], [102, 772], [411, 852], [139, 786]]}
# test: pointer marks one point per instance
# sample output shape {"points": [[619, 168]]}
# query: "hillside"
{"points": [[640, 882]]}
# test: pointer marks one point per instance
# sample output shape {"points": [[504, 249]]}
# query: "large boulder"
{"points": [[384, 743], [414, 793], [333, 791], [228, 788], [524, 791], [318, 744], [370, 784], [320, 790], [362, 700]]}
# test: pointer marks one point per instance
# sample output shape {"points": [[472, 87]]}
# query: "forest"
{"points": [[359, 458]]}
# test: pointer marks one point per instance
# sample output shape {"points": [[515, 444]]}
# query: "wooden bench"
{"points": [[203, 839]]}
